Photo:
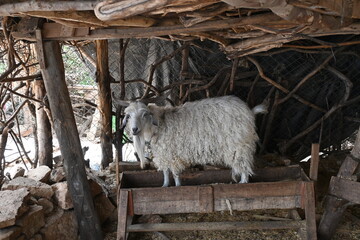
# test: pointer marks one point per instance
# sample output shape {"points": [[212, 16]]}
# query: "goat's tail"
{"points": [[260, 109]]}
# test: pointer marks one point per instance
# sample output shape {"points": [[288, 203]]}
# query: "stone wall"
{"points": [[39, 206]]}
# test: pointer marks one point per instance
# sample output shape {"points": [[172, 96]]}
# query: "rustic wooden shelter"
{"points": [[242, 30]]}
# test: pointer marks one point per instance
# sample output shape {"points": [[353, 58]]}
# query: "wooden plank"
{"points": [[206, 199], [314, 163], [68, 136], [166, 200], [310, 211], [122, 214], [345, 189], [251, 190], [52, 30], [244, 204], [155, 179], [242, 196], [67, 31], [216, 226]]}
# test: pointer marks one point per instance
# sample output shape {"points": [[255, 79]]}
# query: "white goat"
{"points": [[215, 131]]}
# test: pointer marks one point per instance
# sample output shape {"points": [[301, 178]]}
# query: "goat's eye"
{"points": [[127, 116], [145, 114]]}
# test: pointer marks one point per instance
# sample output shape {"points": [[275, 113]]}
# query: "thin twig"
{"points": [[307, 77], [283, 89], [348, 85], [160, 61]]}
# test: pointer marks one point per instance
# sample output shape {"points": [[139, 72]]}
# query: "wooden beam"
{"points": [[11, 8], [73, 18], [314, 162], [216, 226], [105, 106], [345, 189], [51, 30], [66, 131], [44, 132]]}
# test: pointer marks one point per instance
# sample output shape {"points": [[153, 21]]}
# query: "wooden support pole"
{"points": [[314, 163], [66, 131], [122, 214], [44, 133], [310, 211], [335, 206], [103, 80]]}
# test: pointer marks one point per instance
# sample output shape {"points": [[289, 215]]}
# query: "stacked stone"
{"points": [[39, 206]]}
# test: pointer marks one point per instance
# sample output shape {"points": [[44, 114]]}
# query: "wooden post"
{"points": [[122, 214], [310, 211], [103, 80], [44, 134], [66, 131], [335, 206], [314, 163]]}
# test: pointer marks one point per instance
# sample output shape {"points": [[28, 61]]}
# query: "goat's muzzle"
{"points": [[135, 131]]}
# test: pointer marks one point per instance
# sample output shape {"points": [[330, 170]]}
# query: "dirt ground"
{"points": [[349, 228]]}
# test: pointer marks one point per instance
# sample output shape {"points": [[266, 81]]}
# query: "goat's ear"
{"points": [[154, 120], [124, 121]]}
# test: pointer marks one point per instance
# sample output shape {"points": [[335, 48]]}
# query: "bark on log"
{"points": [[44, 134], [11, 8], [106, 11], [103, 80], [65, 128]]}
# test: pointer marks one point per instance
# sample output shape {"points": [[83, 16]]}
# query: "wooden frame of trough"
{"points": [[208, 191]]}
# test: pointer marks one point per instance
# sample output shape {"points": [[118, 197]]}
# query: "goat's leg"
{"points": [[166, 178], [177, 179], [244, 178]]}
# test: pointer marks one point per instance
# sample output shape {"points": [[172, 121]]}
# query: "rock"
{"points": [[36, 188], [32, 221], [12, 205], [37, 237], [47, 205], [17, 172], [60, 225], [62, 195], [32, 201], [57, 175], [22, 237], [41, 173], [10, 233], [59, 160], [103, 207]]}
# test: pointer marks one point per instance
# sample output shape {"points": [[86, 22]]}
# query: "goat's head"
{"points": [[139, 118]]}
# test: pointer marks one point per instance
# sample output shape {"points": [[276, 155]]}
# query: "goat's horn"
{"points": [[155, 100], [118, 101]]}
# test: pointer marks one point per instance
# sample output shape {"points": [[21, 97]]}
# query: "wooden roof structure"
{"points": [[240, 27]]}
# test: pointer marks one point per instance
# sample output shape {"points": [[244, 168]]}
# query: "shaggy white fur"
{"points": [[215, 131]]}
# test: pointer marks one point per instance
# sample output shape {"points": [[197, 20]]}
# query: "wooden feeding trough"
{"points": [[209, 191]]}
